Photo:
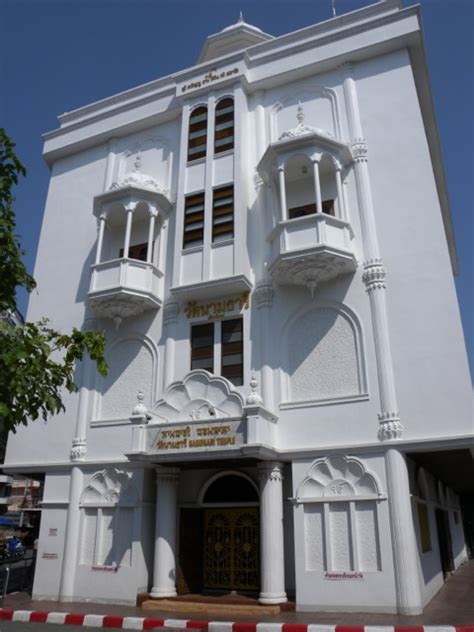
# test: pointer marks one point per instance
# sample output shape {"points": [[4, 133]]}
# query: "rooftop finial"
{"points": [[300, 114], [241, 18]]}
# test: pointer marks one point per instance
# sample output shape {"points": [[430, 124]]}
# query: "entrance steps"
{"points": [[210, 605]]}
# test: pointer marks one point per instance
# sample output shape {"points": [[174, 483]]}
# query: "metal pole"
{"points": [[7, 579]]}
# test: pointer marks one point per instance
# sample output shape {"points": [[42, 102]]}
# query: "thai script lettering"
{"points": [[196, 437], [217, 309], [344, 575]]}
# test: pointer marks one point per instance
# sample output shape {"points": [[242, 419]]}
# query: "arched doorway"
{"points": [[220, 541]]}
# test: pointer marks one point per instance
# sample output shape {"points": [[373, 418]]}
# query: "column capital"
{"points": [[270, 471], [258, 181], [170, 312], [131, 206], [359, 150], [390, 428], [167, 475], [263, 294], [374, 275], [78, 450]]}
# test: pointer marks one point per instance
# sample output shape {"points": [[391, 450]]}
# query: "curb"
{"points": [[142, 623]]}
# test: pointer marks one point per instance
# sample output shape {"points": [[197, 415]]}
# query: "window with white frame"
{"points": [[218, 346]]}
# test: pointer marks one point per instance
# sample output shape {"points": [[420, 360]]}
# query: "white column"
{"points": [[110, 164], [281, 183], [271, 534], [164, 569], [100, 239], [340, 195], [151, 233], [71, 536], [263, 295], [374, 272], [405, 552], [317, 187], [170, 317], [128, 230]]}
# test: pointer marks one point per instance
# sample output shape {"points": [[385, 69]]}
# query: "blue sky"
{"points": [[57, 55]]}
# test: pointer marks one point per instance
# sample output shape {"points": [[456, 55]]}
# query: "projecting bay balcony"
{"points": [[124, 287], [311, 237], [311, 249]]}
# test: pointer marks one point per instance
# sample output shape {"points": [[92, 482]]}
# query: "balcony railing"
{"points": [[124, 287], [311, 249]]}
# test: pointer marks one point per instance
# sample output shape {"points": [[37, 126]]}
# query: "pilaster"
{"points": [[263, 298], [374, 272], [271, 533], [405, 552], [164, 569], [170, 318]]}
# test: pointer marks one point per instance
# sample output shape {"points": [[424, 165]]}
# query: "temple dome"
{"points": [[232, 38]]}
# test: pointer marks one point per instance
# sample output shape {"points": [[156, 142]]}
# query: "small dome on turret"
{"points": [[232, 38]]}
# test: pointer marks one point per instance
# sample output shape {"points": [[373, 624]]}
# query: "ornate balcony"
{"points": [[311, 249], [126, 278], [311, 238], [124, 287]]}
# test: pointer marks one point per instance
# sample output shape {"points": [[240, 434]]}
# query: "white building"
{"points": [[286, 318]]}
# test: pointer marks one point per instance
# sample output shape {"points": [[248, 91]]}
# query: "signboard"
{"points": [[195, 436], [344, 575], [214, 75]]}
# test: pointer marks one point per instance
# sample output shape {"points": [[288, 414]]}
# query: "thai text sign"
{"points": [[192, 436], [217, 309]]}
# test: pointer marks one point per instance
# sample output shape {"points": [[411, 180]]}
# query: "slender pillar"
{"points": [[100, 239], [405, 552], [71, 536], [110, 164], [271, 534], [374, 273], [128, 231], [164, 569], [340, 195], [317, 187], [263, 295], [151, 233], [281, 184], [170, 317]]}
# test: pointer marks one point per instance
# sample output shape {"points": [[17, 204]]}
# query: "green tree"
{"points": [[36, 362]]}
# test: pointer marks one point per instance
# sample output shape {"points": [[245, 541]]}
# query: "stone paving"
{"points": [[453, 605]]}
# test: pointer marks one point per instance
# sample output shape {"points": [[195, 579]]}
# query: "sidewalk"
{"points": [[452, 606]]}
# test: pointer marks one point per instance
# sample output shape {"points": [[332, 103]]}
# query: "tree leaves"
{"points": [[36, 362]]}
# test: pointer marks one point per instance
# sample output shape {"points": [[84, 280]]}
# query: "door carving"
{"points": [[231, 549]]}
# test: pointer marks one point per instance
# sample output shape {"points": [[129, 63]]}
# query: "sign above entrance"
{"points": [[217, 309], [194, 436]]}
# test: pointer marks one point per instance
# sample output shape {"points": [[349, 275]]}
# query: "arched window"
{"points": [[224, 130], [230, 488], [197, 133]]}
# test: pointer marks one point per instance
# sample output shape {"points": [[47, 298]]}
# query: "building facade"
{"points": [[266, 240]]}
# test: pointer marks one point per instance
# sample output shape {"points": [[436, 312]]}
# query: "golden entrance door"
{"points": [[231, 549]]}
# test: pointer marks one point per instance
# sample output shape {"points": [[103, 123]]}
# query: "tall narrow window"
{"points": [[224, 130], [232, 351], [223, 214], [193, 220], [202, 347], [197, 133]]}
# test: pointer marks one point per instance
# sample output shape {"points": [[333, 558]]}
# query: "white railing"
{"points": [[310, 231], [125, 274]]}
